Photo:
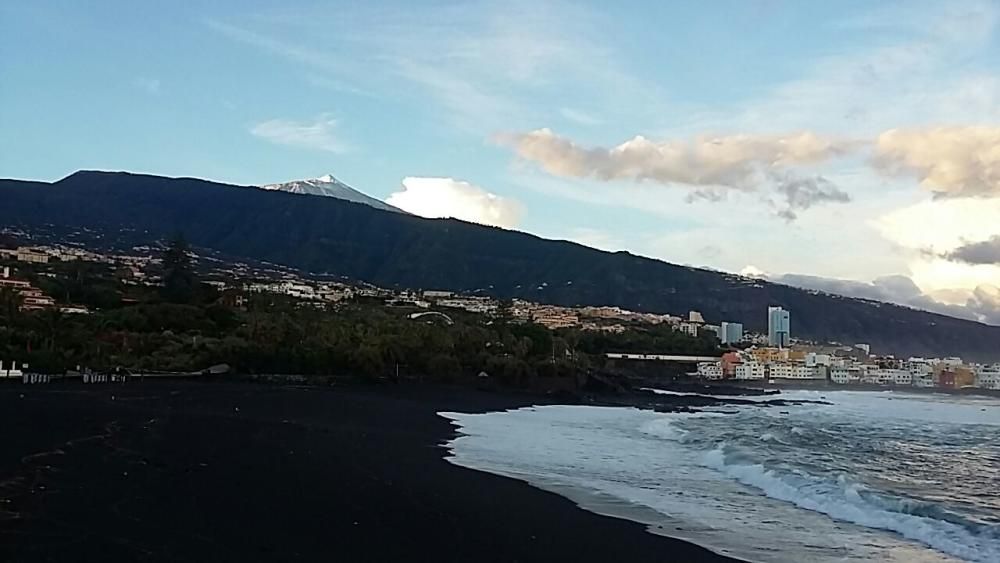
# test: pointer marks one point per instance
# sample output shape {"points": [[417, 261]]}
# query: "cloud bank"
{"points": [[734, 161], [949, 161], [707, 166], [980, 304], [448, 197], [952, 162]]}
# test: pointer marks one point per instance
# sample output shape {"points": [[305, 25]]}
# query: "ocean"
{"points": [[871, 476]]}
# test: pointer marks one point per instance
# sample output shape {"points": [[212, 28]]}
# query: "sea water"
{"points": [[870, 477]]}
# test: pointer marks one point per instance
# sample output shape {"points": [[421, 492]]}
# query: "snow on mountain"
{"points": [[328, 186]]}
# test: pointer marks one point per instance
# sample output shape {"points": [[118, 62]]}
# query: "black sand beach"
{"points": [[201, 471]]}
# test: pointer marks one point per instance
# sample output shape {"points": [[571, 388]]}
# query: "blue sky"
{"points": [[846, 146]]}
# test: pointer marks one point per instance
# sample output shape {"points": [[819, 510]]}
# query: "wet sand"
{"points": [[215, 471]]}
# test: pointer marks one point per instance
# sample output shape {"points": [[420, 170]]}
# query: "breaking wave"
{"points": [[844, 499]]}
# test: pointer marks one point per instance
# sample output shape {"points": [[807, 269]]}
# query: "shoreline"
{"points": [[830, 386], [227, 471]]}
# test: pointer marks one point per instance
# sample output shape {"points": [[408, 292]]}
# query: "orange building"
{"points": [[729, 362]]}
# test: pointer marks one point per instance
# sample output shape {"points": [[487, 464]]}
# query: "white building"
{"points": [[779, 370], [886, 376], [919, 367], [32, 255], [902, 377], [952, 362], [437, 294], [484, 305], [988, 377], [750, 370], [689, 328], [813, 359], [845, 375], [809, 372], [695, 317], [710, 370], [784, 370], [882, 376]]}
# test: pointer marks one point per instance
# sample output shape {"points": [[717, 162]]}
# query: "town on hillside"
{"points": [[747, 358]]}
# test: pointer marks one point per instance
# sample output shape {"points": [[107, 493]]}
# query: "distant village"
{"points": [[774, 358]]}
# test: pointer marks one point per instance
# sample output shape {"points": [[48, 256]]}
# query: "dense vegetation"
{"points": [[185, 326], [396, 250]]}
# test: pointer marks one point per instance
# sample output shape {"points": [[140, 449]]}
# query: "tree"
{"points": [[10, 302], [52, 320], [180, 282]]}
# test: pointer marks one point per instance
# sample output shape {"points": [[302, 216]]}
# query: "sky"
{"points": [[851, 147]]}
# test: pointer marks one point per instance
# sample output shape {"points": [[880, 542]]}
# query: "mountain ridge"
{"points": [[329, 235]]}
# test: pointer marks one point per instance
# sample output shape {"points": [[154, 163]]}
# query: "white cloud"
{"points": [[752, 271], [941, 225], [932, 229], [447, 197], [935, 274], [317, 134], [949, 161]]}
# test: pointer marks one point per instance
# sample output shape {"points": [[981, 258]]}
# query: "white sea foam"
{"points": [[774, 495], [751, 398], [843, 500], [663, 427]]}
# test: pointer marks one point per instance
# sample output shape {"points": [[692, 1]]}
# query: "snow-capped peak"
{"points": [[329, 186]]}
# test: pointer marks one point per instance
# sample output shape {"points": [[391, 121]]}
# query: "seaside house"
{"points": [[710, 370], [750, 370], [988, 377]]}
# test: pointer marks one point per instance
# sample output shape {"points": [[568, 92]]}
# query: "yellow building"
{"points": [[769, 355], [964, 377]]}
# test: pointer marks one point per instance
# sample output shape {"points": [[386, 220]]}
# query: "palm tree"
{"points": [[52, 319]]}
